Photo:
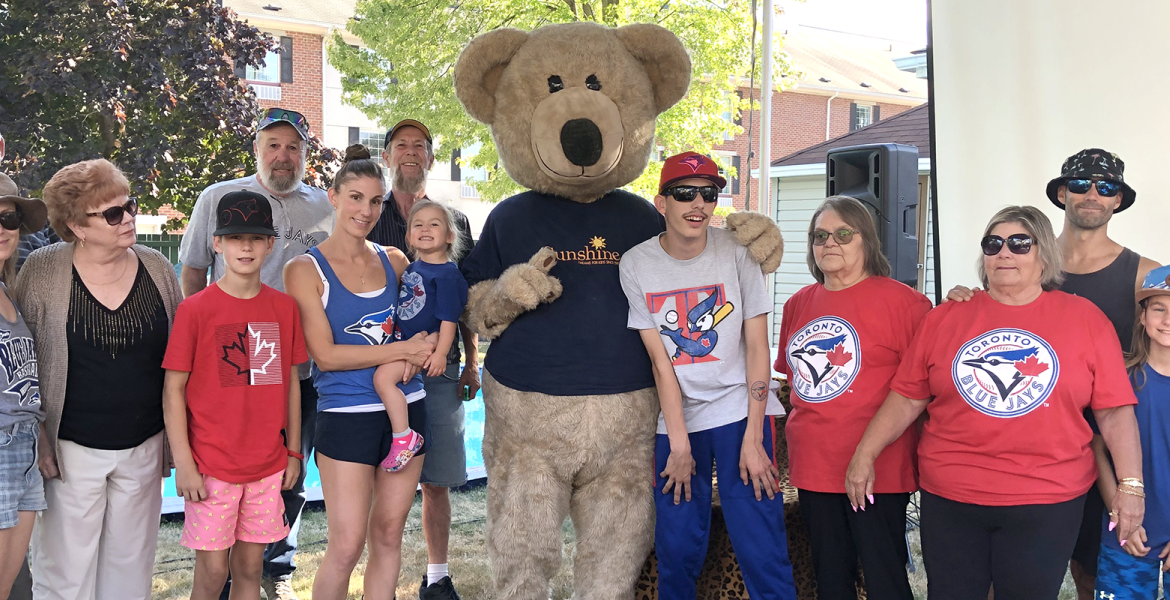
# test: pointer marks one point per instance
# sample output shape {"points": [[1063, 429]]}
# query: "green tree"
{"points": [[148, 84], [410, 47]]}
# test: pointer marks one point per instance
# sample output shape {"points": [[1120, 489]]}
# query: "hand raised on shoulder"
{"points": [[493, 305]]}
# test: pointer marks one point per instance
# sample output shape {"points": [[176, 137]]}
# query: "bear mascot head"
{"points": [[571, 107]]}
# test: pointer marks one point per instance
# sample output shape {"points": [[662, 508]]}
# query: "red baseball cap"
{"points": [[689, 165]]}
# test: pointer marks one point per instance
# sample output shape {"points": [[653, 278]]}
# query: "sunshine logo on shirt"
{"points": [[825, 357], [1005, 372]]}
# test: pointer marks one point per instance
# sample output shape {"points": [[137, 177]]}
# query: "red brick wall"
{"points": [[798, 121], [304, 94]]}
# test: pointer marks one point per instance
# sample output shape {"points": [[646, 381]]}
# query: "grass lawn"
{"points": [[468, 556]]}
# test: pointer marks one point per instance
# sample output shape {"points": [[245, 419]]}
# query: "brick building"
{"points": [[845, 82]]}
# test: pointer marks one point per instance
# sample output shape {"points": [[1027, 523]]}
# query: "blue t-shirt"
{"points": [[430, 294], [1153, 417], [579, 343]]}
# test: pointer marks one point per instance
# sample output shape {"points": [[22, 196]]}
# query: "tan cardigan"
{"points": [[42, 293]]}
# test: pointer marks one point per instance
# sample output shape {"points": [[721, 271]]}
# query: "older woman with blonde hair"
{"points": [[1004, 457], [100, 307]]}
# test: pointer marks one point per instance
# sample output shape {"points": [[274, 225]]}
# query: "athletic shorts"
{"points": [[246, 512], [446, 464], [364, 438]]}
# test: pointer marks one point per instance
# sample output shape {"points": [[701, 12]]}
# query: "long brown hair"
{"points": [[1139, 349], [856, 216]]}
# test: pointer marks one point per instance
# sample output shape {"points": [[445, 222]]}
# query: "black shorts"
{"points": [[365, 438]]}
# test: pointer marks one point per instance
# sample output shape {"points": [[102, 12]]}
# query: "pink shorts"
{"points": [[246, 512]]}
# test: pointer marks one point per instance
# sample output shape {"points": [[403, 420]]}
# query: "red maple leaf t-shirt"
{"points": [[1010, 385], [241, 355], [839, 351]]}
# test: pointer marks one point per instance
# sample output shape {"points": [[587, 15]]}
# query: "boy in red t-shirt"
{"points": [[231, 401]]}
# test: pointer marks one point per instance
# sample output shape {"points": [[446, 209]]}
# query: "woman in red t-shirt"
{"points": [[1004, 457], [842, 340]]}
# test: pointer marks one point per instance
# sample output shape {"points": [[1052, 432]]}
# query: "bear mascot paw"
{"points": [[571, 408]]}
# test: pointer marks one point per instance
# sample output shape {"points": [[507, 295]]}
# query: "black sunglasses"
{"points": [[114, 214], [686, 193], [11, 219], [282, 114], [1107, 189], [843, 236], [1019, 243]]}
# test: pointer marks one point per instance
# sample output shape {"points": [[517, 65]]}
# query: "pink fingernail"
{"points": [[854, 508], [1112, 525], [870, 498], [1123, 542]]}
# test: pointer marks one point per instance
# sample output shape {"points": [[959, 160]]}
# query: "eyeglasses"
{"points": [[686, 193], [283, 114], [843, 236], [11, 219], [114, 214], [1019, 243], [1107, 189]]}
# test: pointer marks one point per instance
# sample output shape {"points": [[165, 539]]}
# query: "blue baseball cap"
{"points": [[1157, 283]]}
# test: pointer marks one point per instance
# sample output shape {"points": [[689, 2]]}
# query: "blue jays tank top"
{"points": [[358, 321]]}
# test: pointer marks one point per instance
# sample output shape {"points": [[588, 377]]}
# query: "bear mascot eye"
{"points": [[555, 84], [592, 83]]}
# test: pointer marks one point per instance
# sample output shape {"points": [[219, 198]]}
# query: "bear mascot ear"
{"points": [[478, 70], [664, 58]]}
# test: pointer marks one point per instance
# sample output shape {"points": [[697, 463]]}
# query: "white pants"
{"points": [[97, 539]]}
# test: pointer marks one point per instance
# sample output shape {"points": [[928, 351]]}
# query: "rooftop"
{"points": [[834, 61], [911, 128]]}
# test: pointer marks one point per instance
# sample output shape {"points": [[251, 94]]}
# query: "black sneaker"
{"points": [[442, 589]]}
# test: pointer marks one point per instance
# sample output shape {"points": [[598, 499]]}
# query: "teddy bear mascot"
{"points": [[570, 403]]}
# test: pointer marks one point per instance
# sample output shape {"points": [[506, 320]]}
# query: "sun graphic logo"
{"points": [[597, 242], [1005, 373], [824, 356]]}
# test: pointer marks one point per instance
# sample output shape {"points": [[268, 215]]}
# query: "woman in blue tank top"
{"points": [[347, 290]]}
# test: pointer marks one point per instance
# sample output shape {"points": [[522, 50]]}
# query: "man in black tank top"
{"points": [[1090, 189]]}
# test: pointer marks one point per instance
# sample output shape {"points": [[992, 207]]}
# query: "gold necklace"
{"points": [[125, 266]]}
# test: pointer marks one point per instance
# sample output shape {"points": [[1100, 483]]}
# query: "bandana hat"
{"points": [[1089, 164]]}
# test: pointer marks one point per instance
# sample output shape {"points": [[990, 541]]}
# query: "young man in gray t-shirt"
{"points": [[700, 304]]}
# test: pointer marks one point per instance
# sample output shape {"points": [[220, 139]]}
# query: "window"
{"points": [[269, 72], [376, 142], [732, 186], [862, 116]]}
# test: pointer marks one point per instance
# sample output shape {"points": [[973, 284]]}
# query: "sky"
{"points": [[900, 20]]}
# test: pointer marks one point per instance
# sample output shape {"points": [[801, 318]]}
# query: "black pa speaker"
{"points": [[884, 177]]}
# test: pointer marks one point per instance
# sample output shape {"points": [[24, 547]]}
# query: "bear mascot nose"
{"points": [[581, 141]]}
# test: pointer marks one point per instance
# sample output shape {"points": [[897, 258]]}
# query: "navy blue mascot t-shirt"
{"points": [[577, 344]]}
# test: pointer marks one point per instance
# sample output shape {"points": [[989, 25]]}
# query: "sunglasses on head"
{"points": [[114, 214], [1104, 188], [843, 236], [11, 219], [686, 193], [1019, 243]]}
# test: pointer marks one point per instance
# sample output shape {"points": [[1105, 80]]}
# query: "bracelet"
{"points": [[1138, 493], [1132, 482], [296, 455]]}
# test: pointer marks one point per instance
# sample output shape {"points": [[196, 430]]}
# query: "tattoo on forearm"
{"points": [[759, 391]]}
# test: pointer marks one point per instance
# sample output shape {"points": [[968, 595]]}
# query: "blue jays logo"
{"points": [[824, 357], [412, 296], [697, 337], [19, 363], [1005, 372], [377, 328], [694, 162]]}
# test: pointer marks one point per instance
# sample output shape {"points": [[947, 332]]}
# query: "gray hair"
{"points": [[855, 215], [1043, 241], [455, 248]]}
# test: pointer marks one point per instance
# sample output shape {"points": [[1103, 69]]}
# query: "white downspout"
{"points": [[829, 114]]}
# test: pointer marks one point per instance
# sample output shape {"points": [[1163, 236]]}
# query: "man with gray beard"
{"points": [[409, 155], [303, 218]]}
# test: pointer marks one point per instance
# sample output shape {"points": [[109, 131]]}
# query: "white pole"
{"points": [[765, 155], [765, 163]]}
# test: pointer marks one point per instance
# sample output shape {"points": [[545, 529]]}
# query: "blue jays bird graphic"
{"points": [[822, 356], [377, 328], [700, 338], [1008, 368]]}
